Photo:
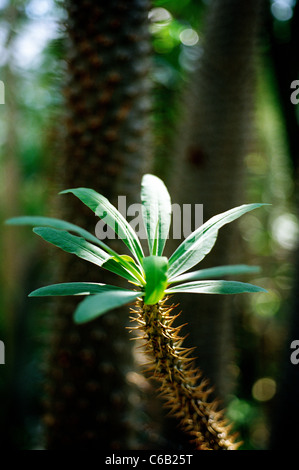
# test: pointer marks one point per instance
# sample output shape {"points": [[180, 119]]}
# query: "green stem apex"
{"points": [[182, 386]]}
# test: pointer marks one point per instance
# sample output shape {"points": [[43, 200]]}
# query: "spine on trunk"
{"points": [[185, 391], [104, 145]]}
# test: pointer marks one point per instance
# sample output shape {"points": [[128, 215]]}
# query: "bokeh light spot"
{"points": [[282, 10], [189, 37], [264, 389]]}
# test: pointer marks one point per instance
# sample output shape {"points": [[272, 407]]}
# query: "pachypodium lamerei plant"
{"points": [[154, 278]]}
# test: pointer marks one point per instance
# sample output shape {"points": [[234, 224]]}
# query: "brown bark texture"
{"points": [[213, 139], [104, 146]]}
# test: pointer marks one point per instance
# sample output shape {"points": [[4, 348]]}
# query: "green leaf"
{"points": [[120, 264], [125, 267], [73, 244], [215, 287], [96, 305], [199, 243], [112, 217], [155, 268], [156, 212], [217, 271], [58, 224], [73, 288]]}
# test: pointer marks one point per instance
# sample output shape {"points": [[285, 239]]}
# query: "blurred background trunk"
{"points": [[104, 145], [213, 139]]}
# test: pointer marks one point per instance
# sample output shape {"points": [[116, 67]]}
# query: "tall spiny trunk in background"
{"points": [[106, 147], [209, 156]]}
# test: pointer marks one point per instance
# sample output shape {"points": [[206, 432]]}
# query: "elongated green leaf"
{"points": [[112, 217], [215, 287], [192, 250], [125, 267], [120, 264], [59, 224], [156, 212], [135, 269], [73, 288], [217, 271], [96, 305], [155, 268], [73, 244]]}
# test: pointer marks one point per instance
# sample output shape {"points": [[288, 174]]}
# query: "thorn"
{"points": [[148, 369]]}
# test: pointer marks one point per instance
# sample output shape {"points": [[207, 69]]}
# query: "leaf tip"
{"points": [[65, 191], [264, 290], [80, 319], [38, 230], [13, 221]]}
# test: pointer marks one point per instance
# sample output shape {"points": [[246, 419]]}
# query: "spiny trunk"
{"points": [[182, 386], [213, 140], [106, 147]]}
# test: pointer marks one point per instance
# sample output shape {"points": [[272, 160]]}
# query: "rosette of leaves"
{"points": [[153, 278]]}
